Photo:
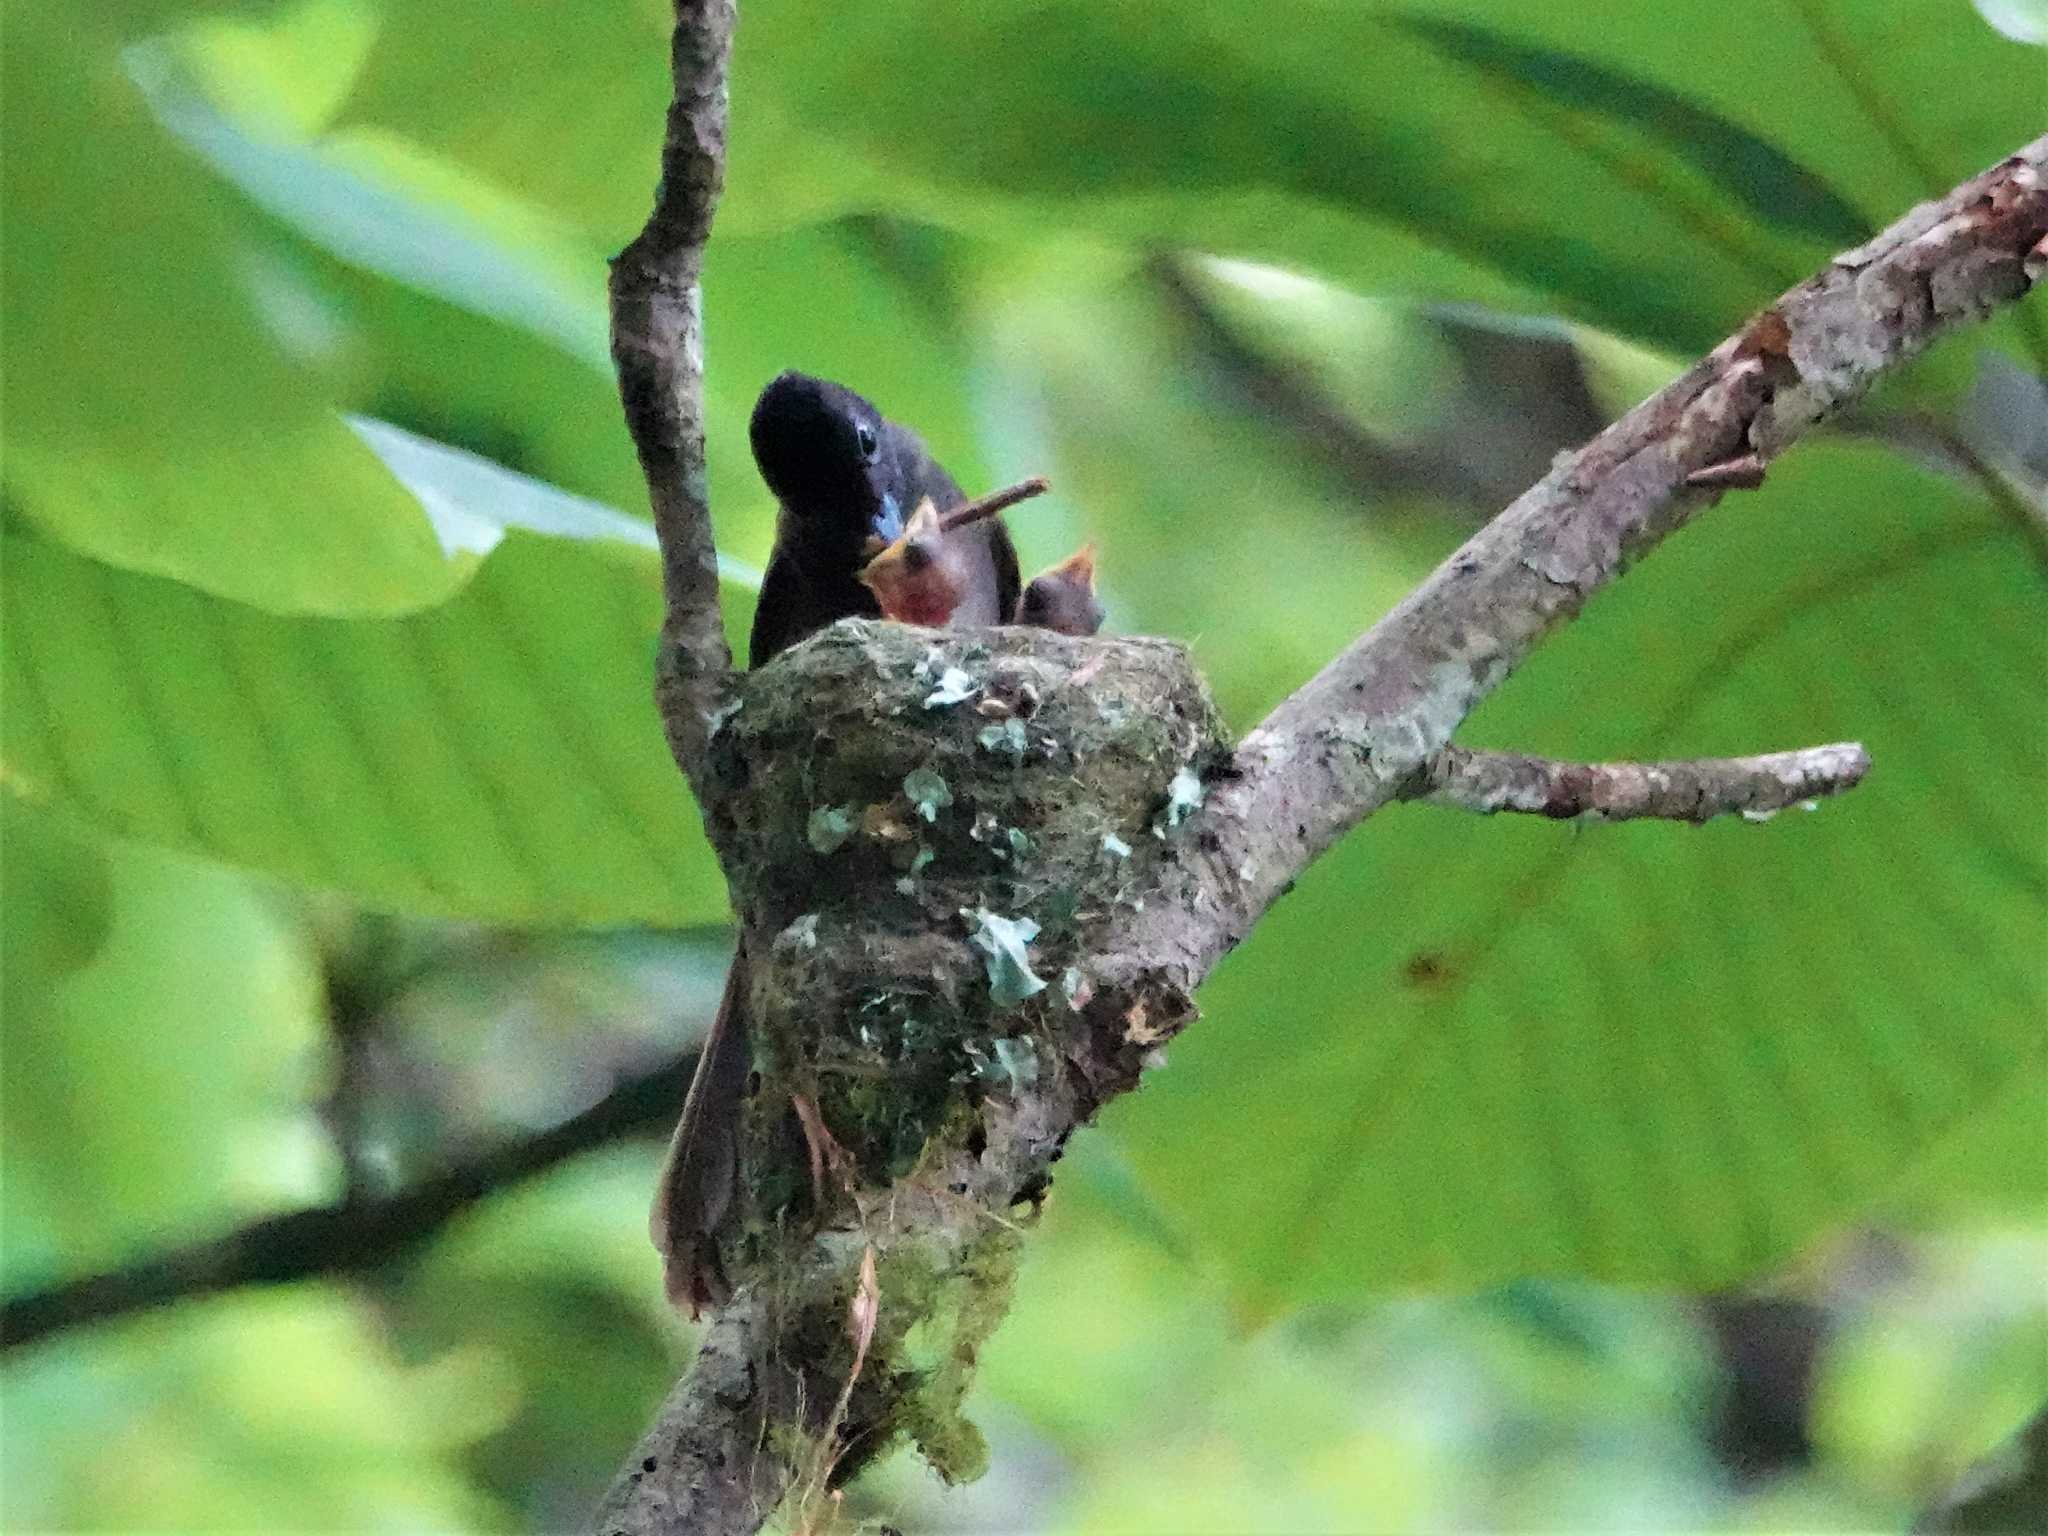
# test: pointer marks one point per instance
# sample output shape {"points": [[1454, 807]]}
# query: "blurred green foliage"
{"points": [[327, 592]]}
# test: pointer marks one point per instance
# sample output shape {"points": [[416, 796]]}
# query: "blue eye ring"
{"points": [[868, 442]]}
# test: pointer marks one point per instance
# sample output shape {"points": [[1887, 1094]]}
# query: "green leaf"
{"points": [[384, 208], [1530, 158], [219, 1394], [153, 418], [1987, 1170], [819, 299], [597, 164], [474, 502], [1466, 1050], [1776, 189], [56, 905], [142, 17], [838, 302], [290, 67], [161, 1085], [495, 757], [1603, 179], [582, 1334]]}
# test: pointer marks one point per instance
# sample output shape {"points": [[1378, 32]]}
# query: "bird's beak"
{"points": [[887, 523]]}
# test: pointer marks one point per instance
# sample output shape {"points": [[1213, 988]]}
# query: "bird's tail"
{"points": [[700, 1177]]}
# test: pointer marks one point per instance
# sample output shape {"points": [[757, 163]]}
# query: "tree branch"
{"points": [[2005, 1494], [701, 1467], [658, 350], [838, 948], [1350, 739], [347, 1238], [1695, 790]]}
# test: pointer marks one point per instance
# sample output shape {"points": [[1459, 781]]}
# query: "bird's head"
{"points": [[831, 460], [1063, 598]]}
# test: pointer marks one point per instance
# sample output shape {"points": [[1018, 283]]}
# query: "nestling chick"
{"points": [[930, 574], [920, 577], [1063, 598]]}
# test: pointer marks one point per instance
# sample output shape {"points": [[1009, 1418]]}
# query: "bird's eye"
{"points": [[916, 557], [868, 445]]}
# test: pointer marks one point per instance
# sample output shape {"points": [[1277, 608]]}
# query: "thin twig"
{"points": [[348, 1238], [1698, 789], [995, 501]]}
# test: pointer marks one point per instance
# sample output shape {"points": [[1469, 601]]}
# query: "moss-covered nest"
{"points": [[929, 833]]}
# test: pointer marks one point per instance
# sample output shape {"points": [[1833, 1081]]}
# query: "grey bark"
{"points": [[658, 352], [1695, 790]]}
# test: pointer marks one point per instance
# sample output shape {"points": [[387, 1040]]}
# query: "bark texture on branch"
{"points": [[658, 351], [1345, 743], [1696, 790], [700, 1466], [987, 870]]}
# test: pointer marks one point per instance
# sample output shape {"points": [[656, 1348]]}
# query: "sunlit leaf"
{"points": [[497, 756], [163, 1086], [1418, 149], [153, 418], [354, 200], [2024, 21], [474, 502]]}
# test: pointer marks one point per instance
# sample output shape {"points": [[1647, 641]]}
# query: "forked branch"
{"points": [[1372, 727]]}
